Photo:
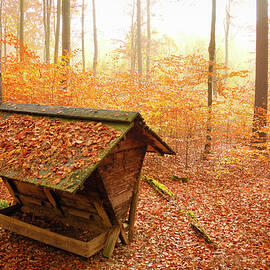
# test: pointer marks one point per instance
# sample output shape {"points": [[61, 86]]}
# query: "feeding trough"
{"points": [[73, 174]]}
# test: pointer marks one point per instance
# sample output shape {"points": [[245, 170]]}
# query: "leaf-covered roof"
{"points": [[60, 147]]}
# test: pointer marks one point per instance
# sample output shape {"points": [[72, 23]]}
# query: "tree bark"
{"points": [[211, 51], [227, 29], [1, 87], [66, 31], [261, 80], [148, 49], [139, 39], [132, 41], [95, 58], [21, 26], [83, 51], [47, 28], [57, 32]]}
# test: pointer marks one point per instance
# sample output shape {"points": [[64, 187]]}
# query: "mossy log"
{"points": [[168, 195]]}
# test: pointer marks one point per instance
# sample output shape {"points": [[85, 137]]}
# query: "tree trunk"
{"points": [[21, 26], [148, 49], [48, 29], [261, 80], [57, 32], [211, 51], [139, 40], [83, 52], [1, 89], [66, 31], [5, 37], [95, 58], [132, 43], [227, 28]]}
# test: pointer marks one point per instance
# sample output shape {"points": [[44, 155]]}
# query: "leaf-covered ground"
{"points": [[229, 194]]}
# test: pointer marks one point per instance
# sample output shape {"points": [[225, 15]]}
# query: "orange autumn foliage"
{"points": [[172, 98]]}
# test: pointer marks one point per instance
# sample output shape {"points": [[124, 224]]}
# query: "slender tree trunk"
{"points": [[48, 29], [5, 37], [227, 29], [21, 29], [148, 49], [139, 40], [57, 32], [45, 14], [95, 58], [211, 51], [261, 80], [83, 51], [66, 31], [132, 43], [1, 87]]}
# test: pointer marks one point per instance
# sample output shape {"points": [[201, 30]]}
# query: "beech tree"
{"points": [[95, 58], [57, 31], [47, 4], [148, 49], [83, 52], [65, 30], [21, 25], [132, 41], [227, 29], [1, 91], [139, 39], [211, 51], [261, 79]]}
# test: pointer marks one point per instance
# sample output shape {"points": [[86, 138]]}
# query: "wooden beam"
{"points": [[9, 210], [123, 236], [132, 211], [111, 241], [12, 190], [52, 199], [82, 248], [102, 213]]}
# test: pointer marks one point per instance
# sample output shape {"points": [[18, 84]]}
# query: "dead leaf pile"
{"points": [[40, 148]]}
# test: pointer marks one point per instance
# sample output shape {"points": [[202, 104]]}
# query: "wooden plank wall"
{"points": [[119, 172]]}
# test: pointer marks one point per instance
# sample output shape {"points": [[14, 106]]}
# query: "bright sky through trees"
{"points": [[175, 18]]}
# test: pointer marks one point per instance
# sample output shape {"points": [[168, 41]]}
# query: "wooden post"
{"points": [[123, 236], [52, 199], [111, 241], [132, 212], [12, 190], [102, 213]]}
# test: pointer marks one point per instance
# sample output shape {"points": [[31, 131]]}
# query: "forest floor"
{"points": [[229, 194]]}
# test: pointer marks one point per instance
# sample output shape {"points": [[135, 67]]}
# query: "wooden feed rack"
{"points": [[100, 199]]}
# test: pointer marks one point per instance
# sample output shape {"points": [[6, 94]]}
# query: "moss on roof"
{"points": [[59, 122]]}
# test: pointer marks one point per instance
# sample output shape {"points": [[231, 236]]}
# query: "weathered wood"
{"points": [[132, 213], [123, 235], [119, 172], [78, 213], [30, 190], [9, 210], [52, 199], [130, 142], [85, 249], [28, 199], [111, 241], [77, 201], [102, 213], [94, 222], [12, 190]]}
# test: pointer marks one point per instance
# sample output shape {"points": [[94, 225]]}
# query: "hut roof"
{"points": [[60, 147]]}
